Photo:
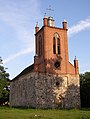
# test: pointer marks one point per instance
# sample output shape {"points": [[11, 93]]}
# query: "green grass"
{"points": [[18, 113]]}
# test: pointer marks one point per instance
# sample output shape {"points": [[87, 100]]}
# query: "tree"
{"points": [[4, 84], [85, 89]]}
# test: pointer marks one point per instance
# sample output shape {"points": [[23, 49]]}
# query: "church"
{"points": [[51, 81]]}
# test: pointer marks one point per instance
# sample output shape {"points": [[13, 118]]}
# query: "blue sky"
{"points": [[17, 23]]}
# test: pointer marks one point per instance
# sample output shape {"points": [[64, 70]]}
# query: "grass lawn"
{"points": [[17, 113]]}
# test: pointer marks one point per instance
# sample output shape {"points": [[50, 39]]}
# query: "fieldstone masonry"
{"points": [[40, 90]]}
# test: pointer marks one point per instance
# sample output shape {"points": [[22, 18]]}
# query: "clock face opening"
{"points": [[57, 64]]}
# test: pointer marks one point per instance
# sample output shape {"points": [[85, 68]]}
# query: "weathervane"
{"points": [[49, 9]]}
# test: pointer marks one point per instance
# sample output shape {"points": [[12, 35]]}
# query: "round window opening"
{"points": [[57, 64], [57, 83]]}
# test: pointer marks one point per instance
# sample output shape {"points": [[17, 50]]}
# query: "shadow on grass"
{"points": [[85, 109], [24, 108]]}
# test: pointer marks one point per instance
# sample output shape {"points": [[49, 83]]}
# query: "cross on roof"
{"points": [[49, 9]]}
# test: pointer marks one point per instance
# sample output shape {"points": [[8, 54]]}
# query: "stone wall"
{"points": [[22, 91], [45, 91]]}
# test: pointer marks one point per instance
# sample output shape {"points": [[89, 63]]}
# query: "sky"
{"points": [[17, 28]]}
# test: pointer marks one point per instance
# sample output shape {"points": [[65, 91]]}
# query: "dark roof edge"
{"points": [[25, 71]]}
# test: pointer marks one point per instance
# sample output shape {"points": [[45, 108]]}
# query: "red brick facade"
{"points": [[52, 49]]}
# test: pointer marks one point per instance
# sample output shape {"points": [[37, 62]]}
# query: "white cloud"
{"points": [[20, 16], [18, 54], [82, 25]]}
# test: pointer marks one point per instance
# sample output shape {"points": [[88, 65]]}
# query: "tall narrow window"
{"points": [[40, 46], [56, 44]]}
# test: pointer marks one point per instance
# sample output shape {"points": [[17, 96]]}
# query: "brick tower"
{"points": [[52, 81], [52, 49], [52, 61]]}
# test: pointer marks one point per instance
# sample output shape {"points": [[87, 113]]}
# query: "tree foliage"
{"points": [[85, 89], [4, 84]]}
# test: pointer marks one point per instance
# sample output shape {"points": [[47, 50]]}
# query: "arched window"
{"points": [[56, 44], [40, 46]]}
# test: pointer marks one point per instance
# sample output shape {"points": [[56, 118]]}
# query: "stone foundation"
{"points": [[41, 90]]}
